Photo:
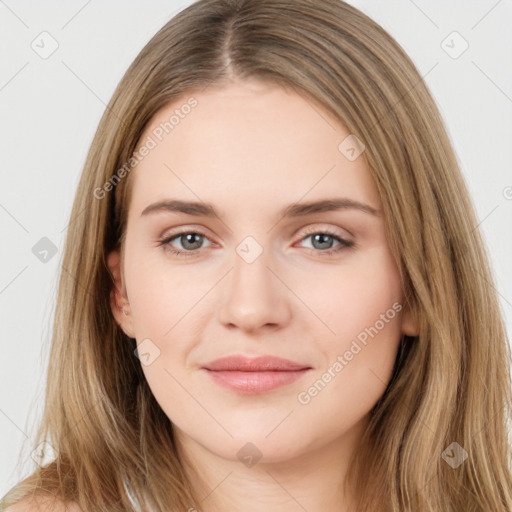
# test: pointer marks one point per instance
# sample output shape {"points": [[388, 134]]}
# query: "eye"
{"points": [[191, 241], [322, 241]]}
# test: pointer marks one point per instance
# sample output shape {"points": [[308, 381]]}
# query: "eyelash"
{"points": [[344, 244]]}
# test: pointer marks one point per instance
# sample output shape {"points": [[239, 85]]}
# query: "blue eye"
{"points": [[186, 237], [196, 239], [325, 237]]}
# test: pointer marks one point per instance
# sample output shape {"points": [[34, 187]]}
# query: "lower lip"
{"points": [[251, 383]]}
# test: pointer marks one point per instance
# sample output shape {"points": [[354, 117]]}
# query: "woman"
{"points": [[259, 368]]}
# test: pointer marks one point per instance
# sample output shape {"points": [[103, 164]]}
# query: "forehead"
{"points": [[248, 145]]}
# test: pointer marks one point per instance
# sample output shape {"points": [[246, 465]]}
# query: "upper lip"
{"points": [[254, 364]]}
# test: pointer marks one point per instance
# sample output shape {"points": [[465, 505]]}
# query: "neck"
{"points": [[310, 480]]}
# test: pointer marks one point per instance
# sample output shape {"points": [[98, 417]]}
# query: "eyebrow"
{"points": [[201, 209]]}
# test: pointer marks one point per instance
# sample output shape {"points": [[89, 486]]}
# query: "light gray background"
{"points": [[50, 108]]}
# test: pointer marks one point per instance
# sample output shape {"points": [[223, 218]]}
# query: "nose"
{"points": [[254, 297]]}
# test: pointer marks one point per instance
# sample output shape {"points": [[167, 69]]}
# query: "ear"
{"points": [[410, 324], [118, 298]]}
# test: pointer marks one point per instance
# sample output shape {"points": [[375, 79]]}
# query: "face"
{"points": [[316, 286]]}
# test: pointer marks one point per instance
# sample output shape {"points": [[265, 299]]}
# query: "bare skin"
{"points": [[251, 149]]}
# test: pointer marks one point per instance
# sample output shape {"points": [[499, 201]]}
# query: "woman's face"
{"points": [[263, 276]]}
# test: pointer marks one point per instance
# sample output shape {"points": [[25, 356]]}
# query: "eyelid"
{"points": [[310, 229], [323, 228], [343, 241], [189, 228]]}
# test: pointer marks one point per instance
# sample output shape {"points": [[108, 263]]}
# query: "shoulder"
{"points": [[42, 504]]}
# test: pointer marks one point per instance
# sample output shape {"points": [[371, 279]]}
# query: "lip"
{"points": [[251, 376], [254, 364]]}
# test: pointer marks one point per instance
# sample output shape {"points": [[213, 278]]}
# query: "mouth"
{"points": [[251, 383], [254, 375]]}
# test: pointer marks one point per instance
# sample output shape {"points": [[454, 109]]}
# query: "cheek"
{"points": [[159, 294], [162, 304], [355, 296], [364, 311], [167, 305]]}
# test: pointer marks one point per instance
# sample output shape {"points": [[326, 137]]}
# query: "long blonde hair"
{"points": [[451, 384]]}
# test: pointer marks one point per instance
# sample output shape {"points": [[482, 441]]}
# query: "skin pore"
{"points": [[251, 149]]}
